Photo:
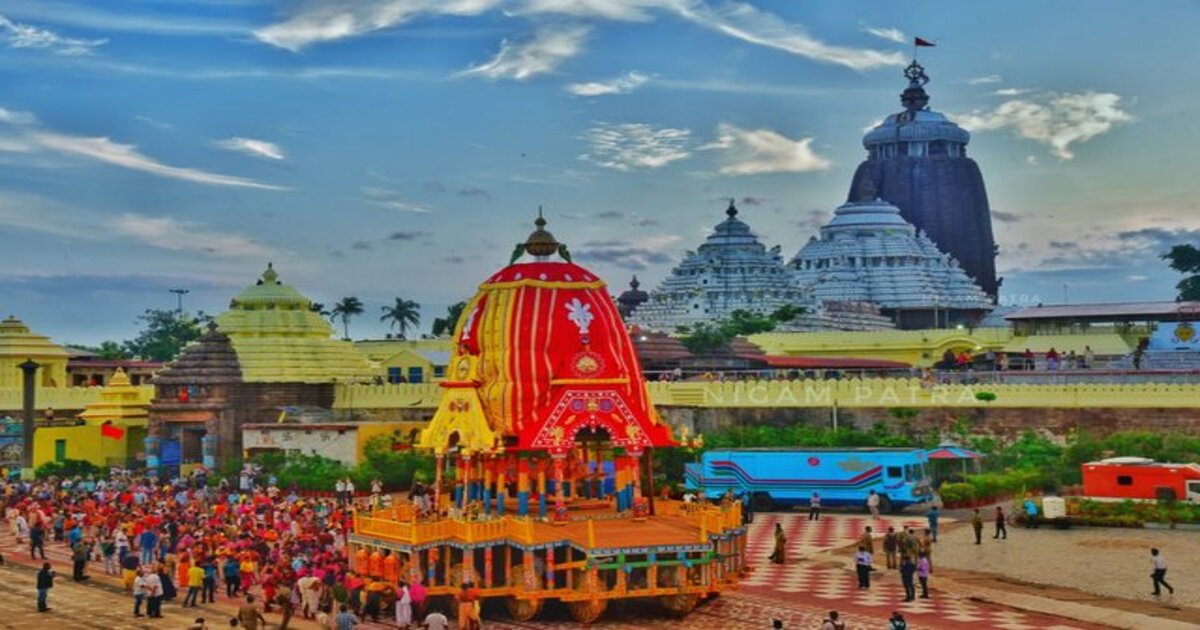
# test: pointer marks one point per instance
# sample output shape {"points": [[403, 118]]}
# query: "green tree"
{"points": [[344, 310], [787, 313], [742, 323], [446, 325], [164, 333], [1186, 259], [705, 339], [107, 350], [319, 309], [402, 314]]}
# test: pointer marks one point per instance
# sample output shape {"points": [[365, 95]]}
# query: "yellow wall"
{"points": [[883, 392], [85, 443], [53, 372], [921, 348], [11, 398], [397, 430], [408, 358]]}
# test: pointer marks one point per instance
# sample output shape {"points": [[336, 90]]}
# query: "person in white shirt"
{"points": [[1160, 572], [339, 489], [873, 504], [140, 587], [862, 565]]}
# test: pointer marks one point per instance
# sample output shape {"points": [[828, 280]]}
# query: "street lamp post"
{"points": [[29, 370], [179, 293]]}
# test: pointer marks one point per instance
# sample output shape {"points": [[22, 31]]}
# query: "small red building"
{"points": [[1141, 478]]}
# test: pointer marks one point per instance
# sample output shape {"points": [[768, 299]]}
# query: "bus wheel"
{"points": [[761, 502]]}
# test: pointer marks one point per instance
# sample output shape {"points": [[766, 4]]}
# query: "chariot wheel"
{"points": [[455, 580], [528, 578], [679, 605], [588, 610]]}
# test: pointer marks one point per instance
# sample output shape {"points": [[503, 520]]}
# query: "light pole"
{"points": [[179, 293], [29, 379]]}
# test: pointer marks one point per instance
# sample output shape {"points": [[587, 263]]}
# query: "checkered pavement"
{"points": [[830, 585]]}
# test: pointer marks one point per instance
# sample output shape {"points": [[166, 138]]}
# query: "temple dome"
{"points": [[631, 298], [279, 339], [918, 126], [731, 270], [869, 253], [542, 353]]}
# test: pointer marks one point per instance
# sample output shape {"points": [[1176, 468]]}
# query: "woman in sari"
{"points": [[779, 556]]}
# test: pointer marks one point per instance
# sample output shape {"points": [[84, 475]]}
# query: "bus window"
{"points": [[925, 470], [908, 472], [894, 472]]}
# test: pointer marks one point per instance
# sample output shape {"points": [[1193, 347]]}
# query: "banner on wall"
{"points": [[1176, 336]]}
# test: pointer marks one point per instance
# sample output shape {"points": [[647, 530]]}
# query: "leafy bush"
{"points": [[395, 469], [66, 468], [957, 492]]}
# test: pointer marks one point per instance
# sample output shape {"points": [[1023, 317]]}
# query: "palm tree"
{"points": [[402, 314], [319, 309], [345, 309], [443, 326]]}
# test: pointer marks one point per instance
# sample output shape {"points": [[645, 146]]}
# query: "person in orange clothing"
{"points": [[468, 607], [182, 566]]}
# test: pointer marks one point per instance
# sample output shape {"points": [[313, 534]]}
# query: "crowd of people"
{"points": [[274, 551]]}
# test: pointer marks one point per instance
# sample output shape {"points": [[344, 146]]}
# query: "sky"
{"points": [[399, 148]]}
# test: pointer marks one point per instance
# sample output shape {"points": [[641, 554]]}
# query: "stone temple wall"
{"points": [[1002, 422]]}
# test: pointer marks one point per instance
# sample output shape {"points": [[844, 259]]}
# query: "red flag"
{"points": [[112, 431], [923, 42]]}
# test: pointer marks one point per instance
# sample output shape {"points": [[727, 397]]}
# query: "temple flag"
{"points": [[112, 431], [923, 42]]}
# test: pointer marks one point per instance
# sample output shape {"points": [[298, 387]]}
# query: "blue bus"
{"points": [[787, 477]]}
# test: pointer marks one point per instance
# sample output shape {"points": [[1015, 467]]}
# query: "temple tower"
{"points": [[917, 160]]}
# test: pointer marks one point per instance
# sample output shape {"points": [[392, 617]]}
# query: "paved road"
{"points": [[800, 594]]}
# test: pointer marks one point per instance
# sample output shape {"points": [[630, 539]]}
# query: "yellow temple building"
{"points": [[279, 339], [112, 433], [18, 344]]}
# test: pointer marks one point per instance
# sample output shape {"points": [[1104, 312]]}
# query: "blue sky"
{"points": [[385, 148]]}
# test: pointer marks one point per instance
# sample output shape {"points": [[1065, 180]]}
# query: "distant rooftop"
{"points": [[1119, 311]]}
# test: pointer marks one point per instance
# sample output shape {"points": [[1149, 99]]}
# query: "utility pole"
{"points": [[29, 373], [179, 293]]}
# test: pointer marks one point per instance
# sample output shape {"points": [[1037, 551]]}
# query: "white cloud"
{"points": [[760, 151], [1031, 160], [127, 156], [620, 85], [252, 147], [29, 138], [16, 118], [391, 200], [330, 21], [986, 80], [17, 35], [745, 22], [892, 34], [623, 10], [172, 234], [1056, 119], [543, 53], [629, 146], [1010, 91]]}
